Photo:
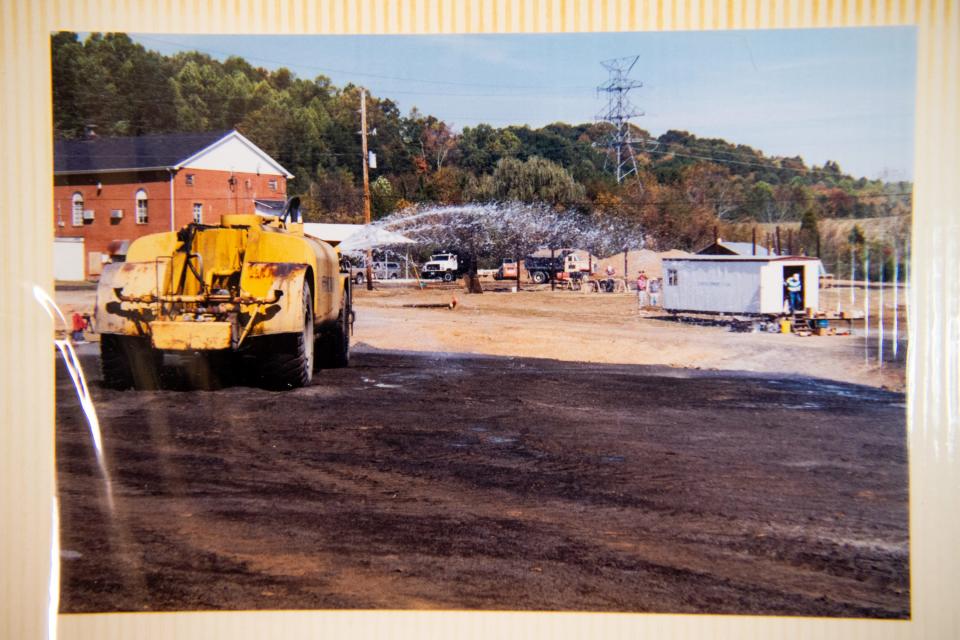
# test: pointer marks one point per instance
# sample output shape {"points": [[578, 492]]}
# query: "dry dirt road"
{"points": [[440, 480]]}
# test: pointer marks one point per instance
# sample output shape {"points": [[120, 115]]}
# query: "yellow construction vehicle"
{"points": [[252, 293]]}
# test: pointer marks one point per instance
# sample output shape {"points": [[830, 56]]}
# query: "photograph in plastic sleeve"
{"points": [[586, 322]]}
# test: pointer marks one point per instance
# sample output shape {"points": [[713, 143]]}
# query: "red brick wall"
{"points": [[212, 189]]}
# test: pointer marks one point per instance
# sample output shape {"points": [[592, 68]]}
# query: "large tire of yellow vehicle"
{"points": [[332, 348], [286, 361]]}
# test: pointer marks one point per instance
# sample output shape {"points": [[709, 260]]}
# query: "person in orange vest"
{"points": [[78, 324]]}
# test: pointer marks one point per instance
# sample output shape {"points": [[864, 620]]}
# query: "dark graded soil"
{"points": [[429, 481]]}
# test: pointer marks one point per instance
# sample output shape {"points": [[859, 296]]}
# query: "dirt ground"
{"points": [[526, 451]]}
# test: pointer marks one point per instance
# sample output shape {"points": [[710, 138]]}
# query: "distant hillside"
{"points": [[685, 185], [888, 229]]}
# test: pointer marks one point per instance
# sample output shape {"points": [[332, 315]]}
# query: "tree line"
{"points": [[684, 189]]}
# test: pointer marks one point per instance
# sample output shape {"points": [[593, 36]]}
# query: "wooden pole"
{"points": [[517, 252], [553, 270], [778, 242], [366, 181]]}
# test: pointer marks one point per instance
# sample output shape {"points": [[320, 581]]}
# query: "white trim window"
{"points": [[141, 208], [76, 209], [198, 212], [272, 184]]}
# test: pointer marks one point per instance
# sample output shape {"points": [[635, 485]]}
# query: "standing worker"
{"points": [[608, 283], [78, 324], [642, 289], [655, 285], [795, 291]]}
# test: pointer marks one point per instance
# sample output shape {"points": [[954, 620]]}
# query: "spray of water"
{"points": [[507, 228]]}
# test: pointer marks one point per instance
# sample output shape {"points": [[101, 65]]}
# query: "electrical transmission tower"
{"points": [[618, 112]]}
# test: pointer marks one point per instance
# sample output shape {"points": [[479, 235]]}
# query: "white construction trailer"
{"points": [[738, 285]]}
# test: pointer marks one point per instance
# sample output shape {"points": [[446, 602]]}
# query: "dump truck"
{"points": [[252, 294], [562, 266]]}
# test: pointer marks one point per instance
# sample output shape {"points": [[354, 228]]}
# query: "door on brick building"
{"points": [[68, 259]]}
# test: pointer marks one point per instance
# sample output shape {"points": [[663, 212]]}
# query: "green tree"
{"points": [[382, 200], [481, 147], [66, 52], [760, 202], [809, 236], [536, 180]]}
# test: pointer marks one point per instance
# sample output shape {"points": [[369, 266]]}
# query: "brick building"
{"points": [[110, 191]]}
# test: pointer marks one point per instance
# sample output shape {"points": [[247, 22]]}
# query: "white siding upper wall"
{"points": [[730, 286], [720, 287], [234, 154]]}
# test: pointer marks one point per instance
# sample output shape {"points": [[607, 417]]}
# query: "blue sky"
{"points": [[824, 94]]}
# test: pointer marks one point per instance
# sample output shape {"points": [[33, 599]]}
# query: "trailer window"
{"points": [[672, 277]]}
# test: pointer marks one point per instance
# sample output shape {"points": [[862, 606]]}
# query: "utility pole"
{"points": [[366, 181], [618, 112]]}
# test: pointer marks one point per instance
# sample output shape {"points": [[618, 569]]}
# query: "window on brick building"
{"points": [[189, 179], [141, 207], [198, 212], [272, 184], [77, 209]]}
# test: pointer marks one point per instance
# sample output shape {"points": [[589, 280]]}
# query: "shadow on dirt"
{"points": [[431, 480]]}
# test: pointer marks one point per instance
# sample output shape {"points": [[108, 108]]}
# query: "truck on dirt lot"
{"points": [[564, 265], [252, 293], [380, 271], [442, 265]]}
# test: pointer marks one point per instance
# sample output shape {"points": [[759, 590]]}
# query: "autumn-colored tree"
{"points": [[711, 186], [431, 136]]}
